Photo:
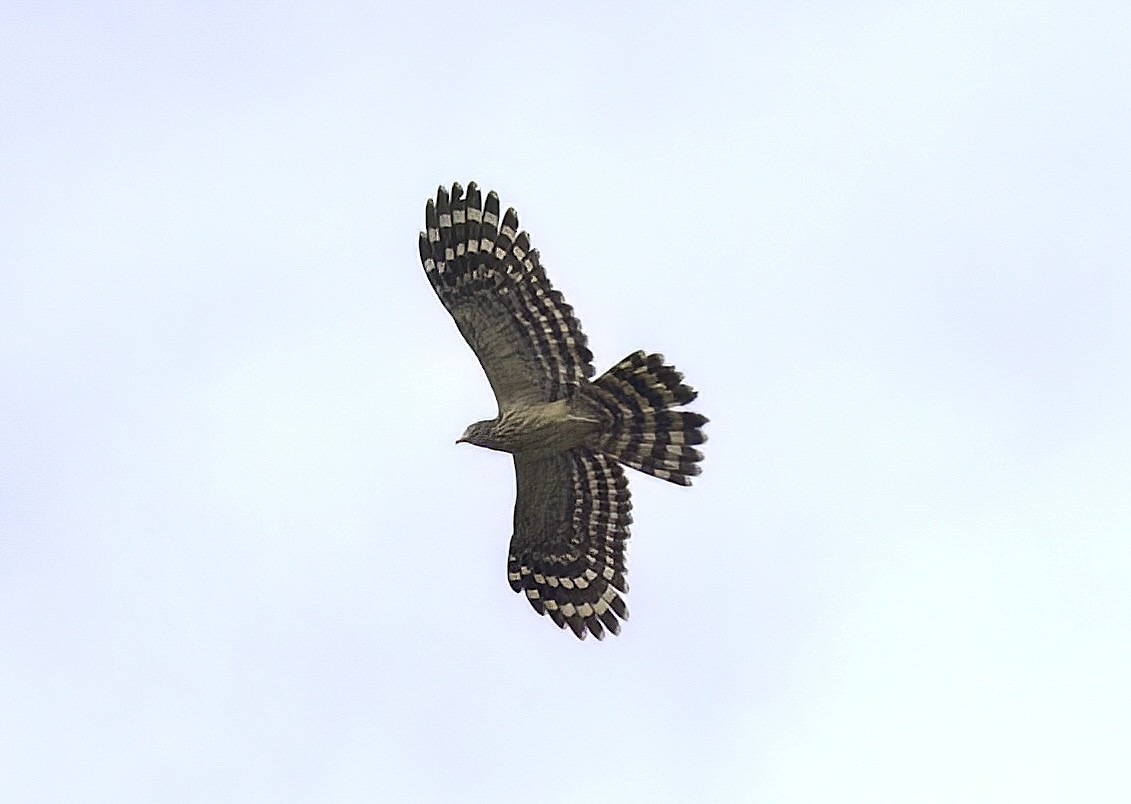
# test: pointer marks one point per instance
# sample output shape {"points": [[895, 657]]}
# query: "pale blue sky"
{"points": [[241, 558]]}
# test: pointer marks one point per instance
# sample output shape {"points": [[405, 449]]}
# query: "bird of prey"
{"points": [[568, 435]]}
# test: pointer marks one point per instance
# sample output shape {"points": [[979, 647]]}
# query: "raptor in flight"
{"points": [[568, 435]]}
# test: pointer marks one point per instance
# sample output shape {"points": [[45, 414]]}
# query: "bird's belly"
{"points": [[549, 430]]}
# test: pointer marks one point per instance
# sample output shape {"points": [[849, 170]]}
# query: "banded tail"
{"points": [[642, 431]]}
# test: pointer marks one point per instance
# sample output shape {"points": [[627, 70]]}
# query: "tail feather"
{"points": [[642, 431]]}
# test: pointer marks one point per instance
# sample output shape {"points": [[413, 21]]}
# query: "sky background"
{"points": [[241, 558]]}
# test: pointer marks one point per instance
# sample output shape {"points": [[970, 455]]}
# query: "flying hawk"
{"points": [[568, 435]]}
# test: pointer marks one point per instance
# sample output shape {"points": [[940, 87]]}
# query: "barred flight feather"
{"points": [[642, 432], [567, 551], [492, 283]]}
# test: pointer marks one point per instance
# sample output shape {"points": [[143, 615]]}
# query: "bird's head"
{"points": [[481, 434]]}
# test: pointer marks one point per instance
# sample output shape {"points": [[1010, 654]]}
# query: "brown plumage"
{"points": [[567, 434]]}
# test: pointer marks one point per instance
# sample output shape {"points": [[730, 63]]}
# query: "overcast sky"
{"points": [[242, 559]]}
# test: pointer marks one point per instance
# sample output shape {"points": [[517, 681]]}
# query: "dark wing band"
{"points": [[526, 337], [567, 553]]}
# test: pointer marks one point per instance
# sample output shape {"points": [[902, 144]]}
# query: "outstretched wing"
{"points": [[525, 335], [571, 522]]}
